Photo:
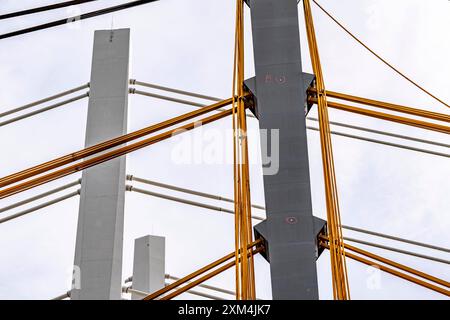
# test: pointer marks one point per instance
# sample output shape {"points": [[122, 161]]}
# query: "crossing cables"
{"points": [[245, 273], [43, 9], [75, 18], [202, 274], [379, 57], [341, 289], [389, 266]]}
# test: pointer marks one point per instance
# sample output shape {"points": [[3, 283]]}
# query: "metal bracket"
{"points": [[320, 229], [251, 100]]}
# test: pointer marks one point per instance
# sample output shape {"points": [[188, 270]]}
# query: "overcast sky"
{"points": [[188, 44]]}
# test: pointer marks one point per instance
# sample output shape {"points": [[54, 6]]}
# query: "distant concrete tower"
{"points": [[99, 244], [149, 265]]}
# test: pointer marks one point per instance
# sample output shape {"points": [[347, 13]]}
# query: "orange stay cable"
{"points": [[379, 57]]}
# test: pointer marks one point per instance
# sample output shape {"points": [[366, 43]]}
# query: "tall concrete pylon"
{"points": [[99, 243], [290, 230]]}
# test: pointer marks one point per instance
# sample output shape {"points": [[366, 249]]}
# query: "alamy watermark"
{"points": [[209, 146]]}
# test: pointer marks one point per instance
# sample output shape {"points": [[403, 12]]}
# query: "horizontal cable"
{"points": [[333, 132], [176, 199], [205, 286], [82, 154], [386, 105], [205, 206], [189, 277], [379, 57], [192, 103], [202, 294], [399, 266], [390, 144], [104, 157], [184, 201], [176, 100], [40, 196], [212, 196], [415, 254], [393, 272], [229, 211], [38, 207], [157, 96], [197, 273], [209, 287], [386, 236], [184, 190], [385, 133], [38, 102], [387, 117], [182, 92], [143, 294], [192, 284], [53, 106], [194, 292], [43, 9], [209, 275], [75, 18]]}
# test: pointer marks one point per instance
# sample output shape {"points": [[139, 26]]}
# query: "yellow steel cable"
{"points": [[379, 57], [388, 117], [208, 276], [199, 272], [189, 277], [394, 264], [92, 150], [399, 266], [242, 260], [245, 162], [394, 272], [386, 105], [337, 252], [245, 284], [103, 157], [331, 224], [235, 180], [237, 199]]}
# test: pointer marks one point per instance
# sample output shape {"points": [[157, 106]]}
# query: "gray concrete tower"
{"points": [[98, 253], [280, 99]]}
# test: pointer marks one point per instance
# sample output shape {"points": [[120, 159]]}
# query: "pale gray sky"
{"points": [[188, 44]]}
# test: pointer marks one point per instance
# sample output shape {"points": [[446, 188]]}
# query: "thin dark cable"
{"points": [[379, 57], [43, 9], [75, 18]]}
